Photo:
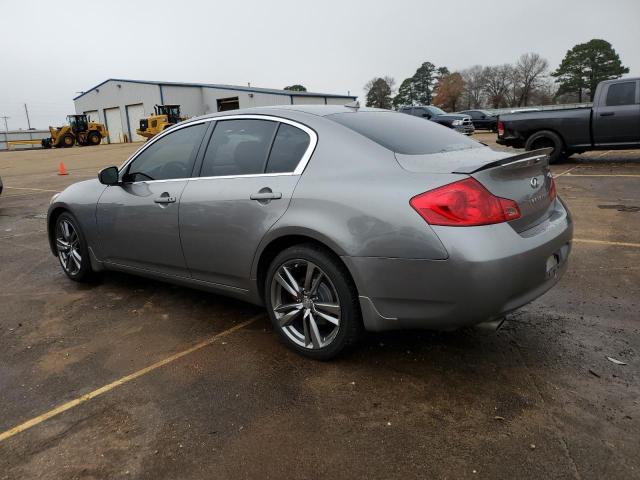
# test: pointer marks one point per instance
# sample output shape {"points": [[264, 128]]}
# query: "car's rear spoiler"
{"points": [[522, 159]]}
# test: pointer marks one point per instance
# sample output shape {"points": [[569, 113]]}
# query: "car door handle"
{"points": [[165, 200], [266, 196], [607, 114]]}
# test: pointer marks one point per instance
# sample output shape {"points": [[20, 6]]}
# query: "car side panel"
{"points": [[364, 210], [573, 125]]}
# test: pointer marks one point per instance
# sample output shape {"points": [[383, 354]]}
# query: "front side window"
{"points": [[170, 157], [621, 94], [238, 147], [435, 111]]}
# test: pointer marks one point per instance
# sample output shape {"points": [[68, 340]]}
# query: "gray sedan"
{"points": [[336, 219]]}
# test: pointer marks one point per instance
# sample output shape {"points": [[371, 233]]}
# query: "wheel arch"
{"points": [[54, 213], [272, 246]]}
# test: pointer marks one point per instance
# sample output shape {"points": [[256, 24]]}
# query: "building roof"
{"points": [[272, 91]]}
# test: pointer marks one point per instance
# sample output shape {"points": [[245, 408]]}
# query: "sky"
{"points": [[48, 54]]}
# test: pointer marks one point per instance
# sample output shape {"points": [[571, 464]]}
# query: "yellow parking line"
{"points": [[34, 189], [84, 398], [605, 242]]}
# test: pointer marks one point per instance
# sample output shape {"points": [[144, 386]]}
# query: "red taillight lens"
{"points": [[500, 128], [553, 193], [463, 204]]}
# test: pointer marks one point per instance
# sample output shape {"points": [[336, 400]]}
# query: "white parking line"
{"points": [[34, 189], [566, 171]]}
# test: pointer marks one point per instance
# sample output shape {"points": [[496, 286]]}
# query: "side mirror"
{"points": [[483, 117], [426, 115], [109, 176]]}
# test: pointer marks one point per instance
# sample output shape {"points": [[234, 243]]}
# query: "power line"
{"points": [[6, 128]]}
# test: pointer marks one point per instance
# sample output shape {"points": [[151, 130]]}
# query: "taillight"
{"points": [[552, 189], [500, 128], [462, 204]]}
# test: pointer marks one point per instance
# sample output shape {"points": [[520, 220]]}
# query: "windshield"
{"points": [[436, 110], [405, 134]]}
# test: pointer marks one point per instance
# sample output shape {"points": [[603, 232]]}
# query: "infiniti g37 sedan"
{"points": [[336, 219]]}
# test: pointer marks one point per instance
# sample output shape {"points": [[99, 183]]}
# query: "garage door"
{"points": [[93, 116], [134, 114], [114, 125]]}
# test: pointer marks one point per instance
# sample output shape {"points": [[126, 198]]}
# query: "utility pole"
{"points": [[27, 112], [6, 128]]}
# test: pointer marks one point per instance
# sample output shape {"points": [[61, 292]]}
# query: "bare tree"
{"points": [[389, 81], [474, 86], [497, 82], [531, 68]]}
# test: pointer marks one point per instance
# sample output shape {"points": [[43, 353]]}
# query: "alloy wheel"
{"points": [[68, 246], [305, 304]]}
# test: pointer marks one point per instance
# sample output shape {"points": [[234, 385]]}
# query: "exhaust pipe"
{"points": [[491, 325]]}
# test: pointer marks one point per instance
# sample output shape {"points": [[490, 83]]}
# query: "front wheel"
{"points": [[94, 138], [71, 246], [67, 141], [312, 302]]}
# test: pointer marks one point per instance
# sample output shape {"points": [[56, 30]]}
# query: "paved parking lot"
{"points": [[131, 378]]}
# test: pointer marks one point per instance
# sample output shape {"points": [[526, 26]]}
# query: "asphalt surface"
{"points": [[536, 399]]}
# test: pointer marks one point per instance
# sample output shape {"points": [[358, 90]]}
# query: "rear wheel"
{"points": [[94, 138], [544, 139], [67, 141], [71, 246], [312, 302]]}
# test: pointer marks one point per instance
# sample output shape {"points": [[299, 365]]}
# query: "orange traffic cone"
{"points": [[61, 169]]}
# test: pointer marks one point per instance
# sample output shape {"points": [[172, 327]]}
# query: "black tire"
{"points": [[84, 273], [67, 141], [546, 138], [94, 138], [350, 319]]}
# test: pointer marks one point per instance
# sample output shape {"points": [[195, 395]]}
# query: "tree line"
{"points": [[527, 81]]}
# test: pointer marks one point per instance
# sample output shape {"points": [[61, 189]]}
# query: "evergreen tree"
{"points": [[379, 93], [296, 88], [586, 65]]}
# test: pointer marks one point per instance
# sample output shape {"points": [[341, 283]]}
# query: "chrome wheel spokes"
{"points": [[306, 304], [68, 246]]}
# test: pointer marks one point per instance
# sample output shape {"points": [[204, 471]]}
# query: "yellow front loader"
{"points": [[164, 117], [79, 130]]}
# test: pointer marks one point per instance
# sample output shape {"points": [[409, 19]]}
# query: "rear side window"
{"points": [[238, 147], [621, 94], [288, 148], [405, 134]]}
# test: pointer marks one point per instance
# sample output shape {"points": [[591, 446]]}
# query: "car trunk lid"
{"points": [[524, 178]]}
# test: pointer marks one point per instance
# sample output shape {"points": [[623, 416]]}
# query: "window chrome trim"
{"points": [[302, 164]]}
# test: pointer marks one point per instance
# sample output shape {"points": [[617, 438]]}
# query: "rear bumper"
{"points": [[491, 271], [515, 142]]}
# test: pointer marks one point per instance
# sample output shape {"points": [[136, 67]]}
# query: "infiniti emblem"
{"points": [[534, 182]]}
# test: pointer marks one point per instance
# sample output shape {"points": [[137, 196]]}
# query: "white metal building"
{"points": [[120, 104]]}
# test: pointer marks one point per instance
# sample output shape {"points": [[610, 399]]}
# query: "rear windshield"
{"points": [[403, 133]]}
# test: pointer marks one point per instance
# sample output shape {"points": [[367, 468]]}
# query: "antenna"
{"points": [[355, 105]]}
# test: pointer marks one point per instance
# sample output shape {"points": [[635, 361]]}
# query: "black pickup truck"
{"points": [[611, 123]]}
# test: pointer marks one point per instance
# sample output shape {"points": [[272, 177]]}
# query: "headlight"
{"points": [[53, 199], [457, 123]]}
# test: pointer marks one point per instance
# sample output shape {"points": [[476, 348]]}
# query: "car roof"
{"points": [[318, 110]]}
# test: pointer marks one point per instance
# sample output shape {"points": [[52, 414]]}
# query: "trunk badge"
{"points": [[534, 182]]}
